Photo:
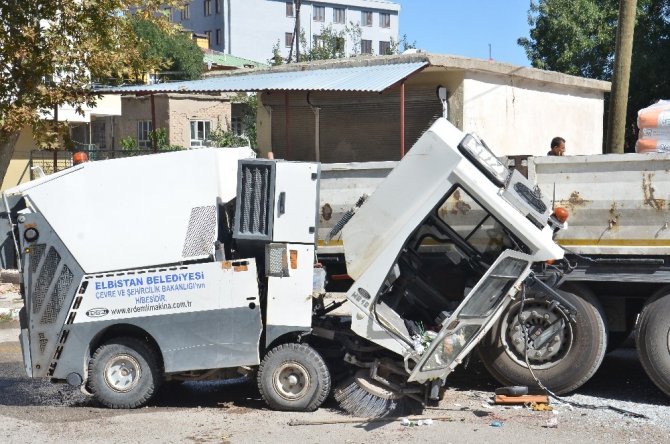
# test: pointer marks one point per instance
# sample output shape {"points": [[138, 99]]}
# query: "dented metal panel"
{"points": [[617, 202]]}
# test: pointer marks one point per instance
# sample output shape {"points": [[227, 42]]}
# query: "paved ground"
{"points": [[36, 410]]}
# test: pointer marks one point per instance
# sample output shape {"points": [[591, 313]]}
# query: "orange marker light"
{"points": [[79, 157], [561, 214]]}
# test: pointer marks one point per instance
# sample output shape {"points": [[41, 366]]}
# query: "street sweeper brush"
{"points": [[361, 396]]}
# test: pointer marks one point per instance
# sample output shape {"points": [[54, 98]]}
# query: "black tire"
{"points": [[124, 373], [653, 341], [294, 377], [568, 363]]}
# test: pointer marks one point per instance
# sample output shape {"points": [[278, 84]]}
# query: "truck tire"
{"points": [[653, 341], [564, 363], [294, 377], [124, 373]]}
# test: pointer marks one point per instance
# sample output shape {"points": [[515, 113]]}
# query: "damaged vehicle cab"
{"points": [[436, 254]]}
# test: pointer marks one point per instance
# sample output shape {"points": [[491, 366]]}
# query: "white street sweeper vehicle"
{"points": [[200, 264]]}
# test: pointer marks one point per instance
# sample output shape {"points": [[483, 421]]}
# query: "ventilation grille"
{"points": [[58, 295], [201, 232], [36, 253], [276, 260], [47, 273], [255, 201]]}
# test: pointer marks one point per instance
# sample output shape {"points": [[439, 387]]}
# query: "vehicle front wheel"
{"points": [[294, 377], [653, 341], [124, 373], [563, 354]]}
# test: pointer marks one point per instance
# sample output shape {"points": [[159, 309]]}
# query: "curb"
{"points": [[9, 276]]}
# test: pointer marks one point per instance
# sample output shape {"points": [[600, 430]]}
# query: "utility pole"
{"points": [[616, 122]]}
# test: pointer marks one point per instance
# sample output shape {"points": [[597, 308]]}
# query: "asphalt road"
{"points": [[38, 411]]}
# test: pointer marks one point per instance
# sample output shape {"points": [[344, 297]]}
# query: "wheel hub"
{"points": [[122, 373], [291, 380], [549, 336]]}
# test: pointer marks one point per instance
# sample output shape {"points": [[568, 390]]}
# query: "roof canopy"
{"points": [[375, 78]]}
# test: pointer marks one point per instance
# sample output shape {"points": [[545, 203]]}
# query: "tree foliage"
{"points": [[579, 37], [172, 51], [50, 50]]}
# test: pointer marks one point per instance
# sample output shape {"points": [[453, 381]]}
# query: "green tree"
{"points": [[172, 51], [50, 51], [398, 47], [578, 37]]}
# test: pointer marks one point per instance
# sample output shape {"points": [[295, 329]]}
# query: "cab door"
{"points": [[474, 316]]}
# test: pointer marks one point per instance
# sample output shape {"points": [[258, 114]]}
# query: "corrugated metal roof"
{"points": [[362, 78]]}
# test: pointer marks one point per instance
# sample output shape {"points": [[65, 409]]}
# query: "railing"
{"points": [[51, 161]]}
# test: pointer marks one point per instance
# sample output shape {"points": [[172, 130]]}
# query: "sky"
{"points": [[467, 27]]}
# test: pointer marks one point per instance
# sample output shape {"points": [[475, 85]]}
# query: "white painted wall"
{"points": [[521, 116], [250, 28]]}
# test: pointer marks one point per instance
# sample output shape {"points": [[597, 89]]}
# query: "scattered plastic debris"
{"points": [[497, 424], [540, 407], [421, 422], [552, 423], [487, 406]]}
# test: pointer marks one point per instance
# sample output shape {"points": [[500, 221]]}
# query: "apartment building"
{"points": [[250, 28]]}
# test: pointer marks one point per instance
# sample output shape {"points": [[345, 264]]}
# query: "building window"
{"points": [[185, 12], [236, 126], [339, 15], [384, 48], [168, 13], [199, 132], [209, 38], [208, 7], [289, 9], [366, 18], [288, 39], [384, 20], [217, 6], [366, 46], [218, 36], [144, 133], [319, 13]]}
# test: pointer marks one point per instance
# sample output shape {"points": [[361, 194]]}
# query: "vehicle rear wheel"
{"points": [[563, 354], [124, 373], [653, 341], [294, 377]]}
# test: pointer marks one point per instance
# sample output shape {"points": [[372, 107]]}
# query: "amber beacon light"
{"points": [[561, 214]]}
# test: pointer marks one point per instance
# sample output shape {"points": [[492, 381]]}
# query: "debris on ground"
{"points": [[497, 424], [552, 423]]}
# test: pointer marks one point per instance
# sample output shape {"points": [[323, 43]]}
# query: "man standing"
{"points": [[557, 147]]}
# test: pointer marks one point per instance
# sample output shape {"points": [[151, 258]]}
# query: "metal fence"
{"points": [[51, 161]]}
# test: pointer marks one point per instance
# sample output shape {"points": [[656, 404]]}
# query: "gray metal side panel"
{"points": [[188, 341]]}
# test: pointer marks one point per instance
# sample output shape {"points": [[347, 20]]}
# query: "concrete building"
{"points": [[250, 28]]}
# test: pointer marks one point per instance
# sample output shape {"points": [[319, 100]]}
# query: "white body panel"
{"points": [[91, 202], [154, 292], [295, 220], [289, 299]]}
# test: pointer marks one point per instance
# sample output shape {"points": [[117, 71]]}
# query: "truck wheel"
{"points": [[124, 373], [563, 359], [653, 341], [294, 377]]}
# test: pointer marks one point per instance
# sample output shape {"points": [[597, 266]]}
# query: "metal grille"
{"points": [[255, 200], [276, 261], [43, 342], [36, 253], [58, 296], [201, 232], [47, 273]]}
